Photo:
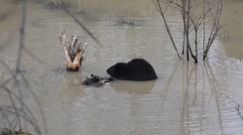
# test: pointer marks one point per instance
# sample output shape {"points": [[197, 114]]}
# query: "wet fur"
{"points": [[136, 70]]}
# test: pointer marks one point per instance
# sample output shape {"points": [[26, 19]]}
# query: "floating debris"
{"points": [[130, 21], [97, 81], [82, 12], [56, 4]]}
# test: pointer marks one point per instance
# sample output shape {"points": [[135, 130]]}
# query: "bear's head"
{"points": [[118, 70]]}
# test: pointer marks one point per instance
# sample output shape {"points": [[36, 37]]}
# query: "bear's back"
{"points": [[140, 70]]}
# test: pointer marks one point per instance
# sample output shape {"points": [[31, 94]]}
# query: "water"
{"points": [[186, 99]]}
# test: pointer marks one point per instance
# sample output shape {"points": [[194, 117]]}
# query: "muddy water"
{"points": [[186, 99]]}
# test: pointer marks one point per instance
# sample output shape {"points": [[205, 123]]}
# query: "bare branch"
{"points": [[22, 34], [215, 28], [167, 27], [81, 25], [18, 111], [195, 14]]}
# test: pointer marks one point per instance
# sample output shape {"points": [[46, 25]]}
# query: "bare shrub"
{"points": [[201, 24]]}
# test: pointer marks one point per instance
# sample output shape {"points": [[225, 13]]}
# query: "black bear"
{"points": [[135, 70]]}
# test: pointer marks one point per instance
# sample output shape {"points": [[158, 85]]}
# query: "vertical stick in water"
{"points": [[22, 35]]}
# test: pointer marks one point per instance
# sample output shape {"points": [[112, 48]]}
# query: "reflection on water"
{"points": [[71, 87], [185, 99], [133, 87]]}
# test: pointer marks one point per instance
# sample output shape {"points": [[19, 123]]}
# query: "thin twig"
{"points": [[18, 108], [215, 28], [22, 34], [81, 25], [167, 27], [13, 96], [237, 108]]}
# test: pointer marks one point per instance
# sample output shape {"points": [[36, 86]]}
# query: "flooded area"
{"points": [[186, 99]]}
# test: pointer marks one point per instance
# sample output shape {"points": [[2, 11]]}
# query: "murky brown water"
{"points": [[187, 99]]}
